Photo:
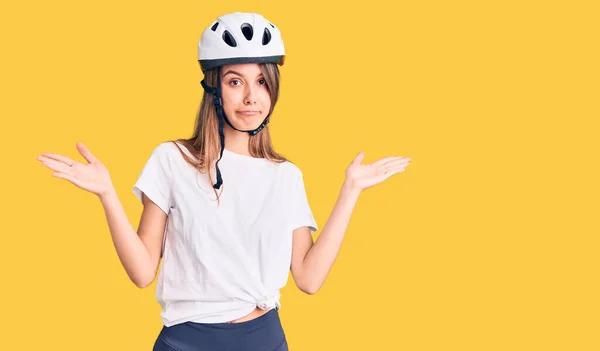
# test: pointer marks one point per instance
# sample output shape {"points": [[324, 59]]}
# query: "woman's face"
{"points": [[246, 99]]}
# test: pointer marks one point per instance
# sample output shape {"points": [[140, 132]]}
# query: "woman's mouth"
{"points": [[248, 113]]}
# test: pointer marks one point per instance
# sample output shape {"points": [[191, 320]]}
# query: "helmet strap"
{"points": [[218, 103]]}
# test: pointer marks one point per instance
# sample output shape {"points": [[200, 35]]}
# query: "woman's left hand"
{"points": [[360, 177]]}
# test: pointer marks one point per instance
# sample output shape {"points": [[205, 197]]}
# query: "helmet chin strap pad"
{"points": [[218, 103]]}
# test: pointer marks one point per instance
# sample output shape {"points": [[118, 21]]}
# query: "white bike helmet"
{"points": [[240, 37]]}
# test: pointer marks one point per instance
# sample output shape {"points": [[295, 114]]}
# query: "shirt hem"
{"points": [[224, 318]]}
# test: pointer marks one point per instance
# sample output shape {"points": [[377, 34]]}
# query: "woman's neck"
{"points": [[236, 142]]}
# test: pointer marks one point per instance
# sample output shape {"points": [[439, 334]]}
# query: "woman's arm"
{"points": [[311, 262], [139, 252]]}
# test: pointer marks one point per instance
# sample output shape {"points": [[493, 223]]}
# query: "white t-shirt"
{"points": [[221, 262]]}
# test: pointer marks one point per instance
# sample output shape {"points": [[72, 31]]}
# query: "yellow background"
{"points": [[489, 240]]}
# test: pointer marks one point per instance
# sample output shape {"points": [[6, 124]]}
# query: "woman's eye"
{"points": [[262, 82], [233, 81]]}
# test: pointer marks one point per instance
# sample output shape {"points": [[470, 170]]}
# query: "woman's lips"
{"points": [[248, 113]]}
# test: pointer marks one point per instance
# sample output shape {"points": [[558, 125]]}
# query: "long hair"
{"points": [[205, 144]]}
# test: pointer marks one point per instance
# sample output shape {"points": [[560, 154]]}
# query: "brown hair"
{"points": [[205, 144]]}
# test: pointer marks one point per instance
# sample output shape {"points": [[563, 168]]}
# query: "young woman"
{"points": [[227, 214]]}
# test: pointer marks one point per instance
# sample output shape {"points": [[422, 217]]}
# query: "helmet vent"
{"points": [[214, 26], [247, 31], [266, 37], [228, 38], [272, 25]]}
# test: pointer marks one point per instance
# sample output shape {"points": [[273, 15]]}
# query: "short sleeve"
{"points": [[155, 178], [301, 212]]}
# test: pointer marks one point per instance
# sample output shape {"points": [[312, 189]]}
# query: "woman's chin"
{"points": [[247, 123]]}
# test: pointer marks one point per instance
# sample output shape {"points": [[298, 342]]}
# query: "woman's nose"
{"points": [[250, 96]]}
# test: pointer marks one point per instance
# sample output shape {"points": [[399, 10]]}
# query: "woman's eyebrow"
{"points": [[232, 71], [239, 74]]}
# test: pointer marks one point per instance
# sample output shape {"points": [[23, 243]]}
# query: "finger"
{"points": [[385, 160], [65, 176], [391, 164], [54, 165], [390, 172], [86, 153], [359, 158], [64, 159]]}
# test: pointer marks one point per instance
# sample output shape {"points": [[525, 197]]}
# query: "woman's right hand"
{"points": [[92, 177]]}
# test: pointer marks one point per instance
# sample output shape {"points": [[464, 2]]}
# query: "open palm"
{"points": [[363, 176], [92, 177]]}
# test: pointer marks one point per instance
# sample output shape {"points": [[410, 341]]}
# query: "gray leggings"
{"points": [[264, 333]]}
